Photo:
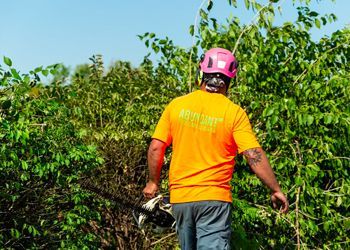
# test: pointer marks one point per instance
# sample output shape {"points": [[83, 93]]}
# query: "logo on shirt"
{"points": [[199, 121]]}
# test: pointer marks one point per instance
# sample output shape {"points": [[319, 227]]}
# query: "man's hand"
{"points": [[150, 190], [280, 201]]}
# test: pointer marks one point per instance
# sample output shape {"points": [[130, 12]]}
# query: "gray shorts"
{"points": [[203, 224]]}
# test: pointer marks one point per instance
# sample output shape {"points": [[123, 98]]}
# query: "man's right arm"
{"points": [[155, 158], [260, 165]]}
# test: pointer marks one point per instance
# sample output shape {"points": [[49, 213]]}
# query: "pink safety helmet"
{"points": [[218, 60]]}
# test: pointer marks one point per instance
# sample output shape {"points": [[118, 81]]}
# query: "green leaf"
{"points": [[162, 41], [15, 74], [24, 165], [38, 69], [15, 233], [270, 19], [309, 119], [279, 8], [298, 181], [318, 23], [191, 29], [327, 118], [339, 201], [155, 48], [7, 61], [300, 119], [45, 72], [247, 4], [210, 5], [268, 111], [313, 13], [326, 225], [252, 33], [203, 14], [274, 120]]}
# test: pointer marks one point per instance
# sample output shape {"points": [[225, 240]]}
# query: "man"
{"points": [[206, 131]]}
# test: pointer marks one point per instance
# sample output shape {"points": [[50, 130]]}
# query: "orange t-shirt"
{"points": [[206, 130]]}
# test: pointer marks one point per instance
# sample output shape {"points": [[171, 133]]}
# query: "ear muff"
{"points": [[199, 73], [199, 76]]}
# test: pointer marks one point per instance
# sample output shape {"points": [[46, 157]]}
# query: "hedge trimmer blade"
{"points": [[155, 215]]}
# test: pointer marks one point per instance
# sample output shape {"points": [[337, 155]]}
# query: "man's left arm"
{"points": [[260, 165], [155, 157]]}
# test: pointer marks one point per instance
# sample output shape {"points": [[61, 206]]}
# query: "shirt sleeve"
{"points": [[162, 131], [243, 133]]}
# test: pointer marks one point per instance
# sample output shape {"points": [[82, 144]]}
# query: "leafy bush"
{"points": [[117, 108], [295, 90], [42, 157]]}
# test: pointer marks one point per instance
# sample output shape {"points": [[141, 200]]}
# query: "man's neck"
{"points": [[220, 90]]}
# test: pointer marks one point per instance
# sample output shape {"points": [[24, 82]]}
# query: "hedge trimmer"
{"points": [[156, 211]]}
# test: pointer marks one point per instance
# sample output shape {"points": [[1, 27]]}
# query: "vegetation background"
{"points": [[94, 124]]}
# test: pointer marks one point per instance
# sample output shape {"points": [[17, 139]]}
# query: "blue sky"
{"points": [[44, 32]]}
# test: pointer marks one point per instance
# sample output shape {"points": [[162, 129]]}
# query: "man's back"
{"points": [[206, 131]]}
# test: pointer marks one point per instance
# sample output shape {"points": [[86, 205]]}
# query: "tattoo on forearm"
{"points": [[253, 156]]}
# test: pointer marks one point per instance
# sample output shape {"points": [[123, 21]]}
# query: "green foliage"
{"points": [[117, 108], [41, 160], [116, 102], [295, 90]]}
